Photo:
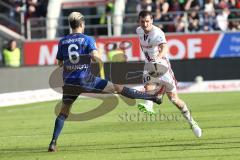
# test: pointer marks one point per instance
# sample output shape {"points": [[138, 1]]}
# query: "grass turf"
{"points": [[124, 133]]}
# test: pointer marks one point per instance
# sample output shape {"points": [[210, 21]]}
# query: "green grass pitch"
{"points": [[124, 133]]}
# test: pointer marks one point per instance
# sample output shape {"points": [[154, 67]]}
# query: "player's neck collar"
{"points": [[76, 33]]}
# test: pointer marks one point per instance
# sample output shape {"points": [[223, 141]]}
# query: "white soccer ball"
{"points": [[156, 69]]}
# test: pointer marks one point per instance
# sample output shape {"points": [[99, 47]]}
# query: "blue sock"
{"points": [[135, 94], [59, 122]]}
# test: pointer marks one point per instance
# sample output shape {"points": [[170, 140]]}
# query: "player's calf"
{"points": [[130, 92], [135, 94]]}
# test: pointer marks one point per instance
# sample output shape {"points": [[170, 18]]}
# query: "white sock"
{"points": [[187, 115], [149, 105]]}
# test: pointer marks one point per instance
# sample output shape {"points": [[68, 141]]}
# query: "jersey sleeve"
{"points": [[59, 53], [138, 30], [91, 45], [160, 38]]}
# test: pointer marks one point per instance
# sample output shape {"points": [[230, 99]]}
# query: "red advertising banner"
{"points": [[188, 46], [40, 52], [191, 46]]}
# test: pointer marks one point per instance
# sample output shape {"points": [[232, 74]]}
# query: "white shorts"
{"points": [[165, 83]]}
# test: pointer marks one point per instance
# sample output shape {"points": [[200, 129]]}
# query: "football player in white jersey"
{"points": [[158, 75]]}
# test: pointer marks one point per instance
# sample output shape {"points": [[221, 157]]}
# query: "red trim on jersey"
{"points": [[161, 90]]}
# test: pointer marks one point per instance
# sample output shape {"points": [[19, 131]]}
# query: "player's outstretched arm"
{"points": [[95, 55], [163, 50]]}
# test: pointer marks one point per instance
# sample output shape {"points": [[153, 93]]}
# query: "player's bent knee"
{"points": [[69, 99], [68, 102], [151, 88], [110, 88], [173, 100], [177, 102], [65, 115], [118, 88]]}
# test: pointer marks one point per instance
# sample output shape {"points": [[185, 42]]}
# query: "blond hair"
{"points": [[75, 20]]}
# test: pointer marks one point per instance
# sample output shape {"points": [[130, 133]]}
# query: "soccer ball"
{"points": [[156, 69]]}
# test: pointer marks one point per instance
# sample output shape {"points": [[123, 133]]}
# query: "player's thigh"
{"points": [[104, 85], [153, 85], [148, 82], [172, 95], [113, 88], [146, 79], [149, 87], [168, 80], [70, 94]]}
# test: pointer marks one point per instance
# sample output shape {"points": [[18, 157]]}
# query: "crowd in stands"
{"points": [[201, 15], [12, 9], [10, 54], [31, 8]]}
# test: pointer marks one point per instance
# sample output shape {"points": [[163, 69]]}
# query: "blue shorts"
{"points": [[73, 87]]}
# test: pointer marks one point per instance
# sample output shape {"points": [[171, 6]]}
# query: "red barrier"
{"points": [[180, 46]]}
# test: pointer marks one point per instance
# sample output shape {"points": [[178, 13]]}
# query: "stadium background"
{"points": [[200, 46]]}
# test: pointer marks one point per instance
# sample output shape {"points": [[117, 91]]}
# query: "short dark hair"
{"points": [[144, 14], [75, 20], [9, 43]]}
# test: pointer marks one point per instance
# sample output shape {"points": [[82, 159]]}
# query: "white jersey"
{"points": [[150, 42]]}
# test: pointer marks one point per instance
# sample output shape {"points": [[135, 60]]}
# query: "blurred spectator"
{"points": [[162, 7], [11, 54], [233, 3], [193, 20], [222, 20], [238, 4], [145, 5], [234, 22], [116, 54], [41, 8], [207, 21], [177, 17], [182, 4], [108, 11], [209, 8], [175, 6], [234, 26], [20, 5], [201, 3], [161, 14], [226, 4], [31, 8], [180, 23], [222, 4], [207, 18], [192, 5]]}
